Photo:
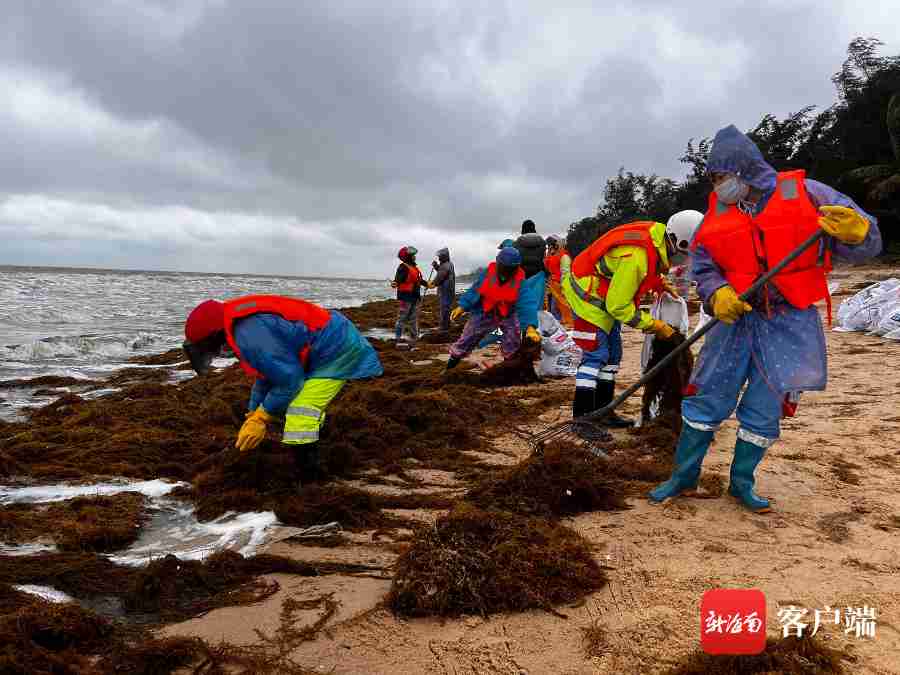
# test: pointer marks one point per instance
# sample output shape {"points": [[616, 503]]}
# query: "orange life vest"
{"points": [[631, 234], [745, 246], [413, 277], [552, 263], [291, 309], [500, 296]]}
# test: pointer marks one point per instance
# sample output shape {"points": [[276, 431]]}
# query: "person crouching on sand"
{"points": [[300, 355], [495, 300]]}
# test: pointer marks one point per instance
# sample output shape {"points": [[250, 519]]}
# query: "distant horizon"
{"points": [[65, 268], [120, 270]]}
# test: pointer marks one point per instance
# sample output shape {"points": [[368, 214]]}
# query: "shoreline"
{"points": [[830, 540]]}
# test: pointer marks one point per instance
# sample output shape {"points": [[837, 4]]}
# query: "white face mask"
{"points": [[732, 190]]}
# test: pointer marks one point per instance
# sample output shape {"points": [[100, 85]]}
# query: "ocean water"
{"points": [[86, 324]]}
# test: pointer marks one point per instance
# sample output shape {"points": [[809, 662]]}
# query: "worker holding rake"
{"points": [[604, 288], [773, 345]]}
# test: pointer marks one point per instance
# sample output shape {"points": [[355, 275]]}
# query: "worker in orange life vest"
{"points": [[495, 300], [604, 288], [772, 346], [557, 263], [408, 281], [300, 356]]}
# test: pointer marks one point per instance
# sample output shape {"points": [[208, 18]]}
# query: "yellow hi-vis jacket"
{"points": [[625, 267]]}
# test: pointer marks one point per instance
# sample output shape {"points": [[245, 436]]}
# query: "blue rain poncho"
{"points": [[270, 344], [530, 300], [784, 351]]}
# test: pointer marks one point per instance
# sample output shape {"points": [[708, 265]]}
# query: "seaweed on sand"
{"points": [[473, 561], [168, 588], [562, 481], [788, 656], [667, 388], [102, 523], [42, 637]]}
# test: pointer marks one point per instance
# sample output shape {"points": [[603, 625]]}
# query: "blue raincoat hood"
{"points": [[733, 152]]}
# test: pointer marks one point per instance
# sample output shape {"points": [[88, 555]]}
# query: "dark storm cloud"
{"points": [[319, 137]]}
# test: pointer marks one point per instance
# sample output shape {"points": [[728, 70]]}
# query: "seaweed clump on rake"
{"points": [[474, 561], [562, 481]]}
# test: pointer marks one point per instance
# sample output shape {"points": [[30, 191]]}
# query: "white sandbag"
{"points": [[674, 312], [560, 356], [889, 320], [862, 311], [870, 304]]}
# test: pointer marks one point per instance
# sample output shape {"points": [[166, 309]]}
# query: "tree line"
{"points": [[854, 146]]}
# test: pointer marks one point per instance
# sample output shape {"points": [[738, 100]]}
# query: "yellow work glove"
{"points": [[253, 431], [844, 224], [456, 313], [727, 306], [660, 329], [669, 288], [532, 335]]}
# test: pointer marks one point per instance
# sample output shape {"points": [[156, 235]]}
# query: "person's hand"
{"points": [[727, 306], [253, 431], [844, 224], [456, 313], [660, 329], [393, 284]]}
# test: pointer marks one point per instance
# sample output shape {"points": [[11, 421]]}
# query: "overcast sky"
{"points": [[299, 137]]}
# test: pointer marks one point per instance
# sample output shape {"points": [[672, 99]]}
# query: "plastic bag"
{"points": [[674, 312], [863, 311], [889, 320], [560, 356]]}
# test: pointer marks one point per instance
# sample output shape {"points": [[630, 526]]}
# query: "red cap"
{"points": [[402, 253], [205, 319]]}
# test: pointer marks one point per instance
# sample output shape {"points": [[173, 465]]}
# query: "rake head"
{"points": [[589, 434]]}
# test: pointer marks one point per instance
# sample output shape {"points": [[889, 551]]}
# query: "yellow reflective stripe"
{"points": [[299, 436], [599, 303], [604, 268], [304, 412]]}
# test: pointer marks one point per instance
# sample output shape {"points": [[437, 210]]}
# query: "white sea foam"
{"points": [[42, 494], [45, 592]]}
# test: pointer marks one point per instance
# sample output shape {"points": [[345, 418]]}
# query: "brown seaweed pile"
{"points": [[103, 523], [167, 588], [563, 481], [473, 561], [668, 387], [788, 656], [43, 637]]}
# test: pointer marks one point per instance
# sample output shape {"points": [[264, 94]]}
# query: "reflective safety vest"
{"points": [[588, 283], [290, 309], [413, 277], [495, 295], [745, 246]]}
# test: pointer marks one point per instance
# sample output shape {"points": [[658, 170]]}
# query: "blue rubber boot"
{"points": [[747, 457], [692, 446]]}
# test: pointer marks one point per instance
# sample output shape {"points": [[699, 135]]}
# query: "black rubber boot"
{"points": [[582, 405], [603, 397], [306, 458]]}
